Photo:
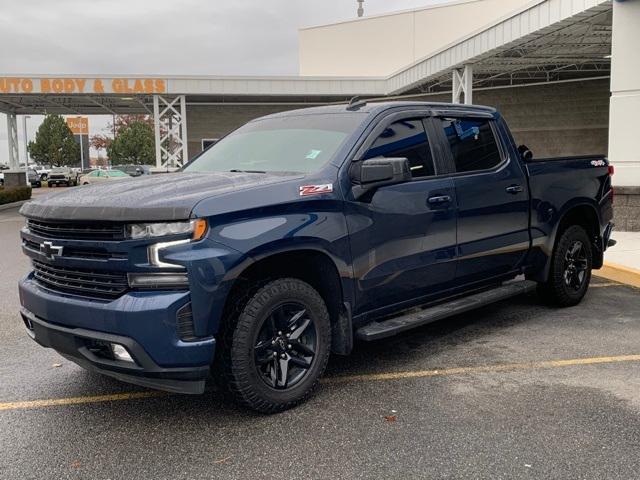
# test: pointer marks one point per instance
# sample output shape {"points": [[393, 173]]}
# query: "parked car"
{"points": [[135, 170], [300, 232], [43, 171], [62, 176], [99, 176], [34, 178]]}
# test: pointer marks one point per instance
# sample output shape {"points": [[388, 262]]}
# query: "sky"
{"points": [[181, 37]]}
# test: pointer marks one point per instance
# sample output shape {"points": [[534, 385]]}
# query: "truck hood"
{"points": [[158, 197]]}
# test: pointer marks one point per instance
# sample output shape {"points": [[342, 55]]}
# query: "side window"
{"points": [[405, 138], [472, 143]]}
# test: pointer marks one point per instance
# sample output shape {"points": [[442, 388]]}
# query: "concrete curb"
{"points": [[619, 273], [7, 206]]}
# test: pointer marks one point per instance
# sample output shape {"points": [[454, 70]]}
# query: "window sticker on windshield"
{"points": [[313, 154]]}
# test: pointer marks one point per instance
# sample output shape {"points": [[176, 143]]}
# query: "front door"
{"points": [[403, 236]]}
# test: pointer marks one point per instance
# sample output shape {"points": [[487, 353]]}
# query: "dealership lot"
{"points": [[515, 390]]}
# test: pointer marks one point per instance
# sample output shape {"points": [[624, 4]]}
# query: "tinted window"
{"points": [[405, 138], [472, 143], [295, 143]]}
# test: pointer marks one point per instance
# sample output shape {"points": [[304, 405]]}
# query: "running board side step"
{"points": [[392, 326]]}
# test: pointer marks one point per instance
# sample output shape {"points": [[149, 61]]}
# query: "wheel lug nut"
{"points": [[279, 333], [273, 342], [289, 346], [288, 335], [275, 354], [283, 356]]}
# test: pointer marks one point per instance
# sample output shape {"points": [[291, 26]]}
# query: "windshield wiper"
{"points": [[235, 170]]}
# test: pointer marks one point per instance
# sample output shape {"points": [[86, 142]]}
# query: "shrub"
{"points": [[14, 194]]}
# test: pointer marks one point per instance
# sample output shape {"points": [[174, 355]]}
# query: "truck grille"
{"points": [[88, 283], [77, 231]]}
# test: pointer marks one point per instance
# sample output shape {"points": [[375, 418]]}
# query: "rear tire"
{"points": [[570, 271], [275, 346]]}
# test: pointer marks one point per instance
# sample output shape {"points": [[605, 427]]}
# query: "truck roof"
{"points": [[377, 107]]}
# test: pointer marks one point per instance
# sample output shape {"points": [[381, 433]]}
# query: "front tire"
{"points": [[276, 346], [570, 271]]}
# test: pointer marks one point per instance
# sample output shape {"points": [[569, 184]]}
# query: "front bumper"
{"points": [[75, 345], [144, 322]]}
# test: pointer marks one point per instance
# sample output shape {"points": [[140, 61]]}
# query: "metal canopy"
{"points": [[539, 44]]}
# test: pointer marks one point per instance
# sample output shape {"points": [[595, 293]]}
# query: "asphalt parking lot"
{"points": [[515, 390]]}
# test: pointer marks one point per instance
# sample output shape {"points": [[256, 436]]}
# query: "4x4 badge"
{"points": [[50, 250]]}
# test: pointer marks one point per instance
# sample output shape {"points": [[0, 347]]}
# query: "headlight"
{"points": [[197, 228]]}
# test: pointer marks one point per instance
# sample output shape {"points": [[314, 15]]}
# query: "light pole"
{"points": [[26, 146], [360, 8], [81, 143]]}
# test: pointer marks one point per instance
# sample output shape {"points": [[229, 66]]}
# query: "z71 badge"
{"points": [[306, 190], [598, 163]]}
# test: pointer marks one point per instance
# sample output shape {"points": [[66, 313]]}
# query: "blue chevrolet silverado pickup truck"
{"points": [[300, 232]]}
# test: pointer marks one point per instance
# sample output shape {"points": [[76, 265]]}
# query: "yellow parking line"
{"points": [[608, 284], [32, 404], [78, 400], [481, 369]]}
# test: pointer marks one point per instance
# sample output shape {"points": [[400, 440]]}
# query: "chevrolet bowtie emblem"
{"points": [[49, 250]]}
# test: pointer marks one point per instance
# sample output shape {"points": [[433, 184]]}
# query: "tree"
{"points": [[134, 143], [102, 141], [55, 144]]}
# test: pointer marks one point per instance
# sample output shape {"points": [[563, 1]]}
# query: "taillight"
{"points": [[611, 170]]}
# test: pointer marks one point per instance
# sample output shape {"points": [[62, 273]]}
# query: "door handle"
{"points": [[440, 199], [513, 189]]}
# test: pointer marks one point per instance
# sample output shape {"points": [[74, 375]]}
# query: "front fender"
{"points": [[230, 248]]}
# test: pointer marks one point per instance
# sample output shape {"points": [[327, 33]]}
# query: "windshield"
{"points": [[117, 173], [297, 143]]}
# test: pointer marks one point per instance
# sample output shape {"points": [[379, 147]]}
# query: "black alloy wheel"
{"points": [[274, 345], [575, 265], [286, 346], [570, 270]]}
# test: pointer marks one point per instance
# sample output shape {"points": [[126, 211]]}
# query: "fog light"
{"points": [[121, 353]]}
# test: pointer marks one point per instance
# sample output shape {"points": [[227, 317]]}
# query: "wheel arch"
{"points": [[312, 265], [581, 213]]}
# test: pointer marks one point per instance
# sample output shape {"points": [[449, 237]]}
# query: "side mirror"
{"points": [[377, 172], [525, 153]]}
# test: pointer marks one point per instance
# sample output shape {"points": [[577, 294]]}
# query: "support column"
{"points": [[624, 152], [12, 136], [170, 129], [463, 85], [156, 129]]}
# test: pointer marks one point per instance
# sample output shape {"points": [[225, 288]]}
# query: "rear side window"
{"points": [[405, 138], [472, 143]]}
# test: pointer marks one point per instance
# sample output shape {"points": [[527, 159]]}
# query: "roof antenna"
{"points": [[355, 103], [360, 8]]}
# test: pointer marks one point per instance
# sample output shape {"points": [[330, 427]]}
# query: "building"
{"points": [[565, 73]]}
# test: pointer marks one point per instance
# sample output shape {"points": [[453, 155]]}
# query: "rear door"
{"points": [[403, 236], [492, 199]]}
